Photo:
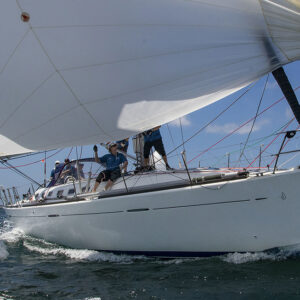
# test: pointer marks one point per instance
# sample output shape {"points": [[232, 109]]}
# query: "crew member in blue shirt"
{"points": [[55, 173], [152, 138], [113, 161]]}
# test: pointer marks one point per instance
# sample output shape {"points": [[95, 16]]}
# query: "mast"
{"points": [[287, 90]]}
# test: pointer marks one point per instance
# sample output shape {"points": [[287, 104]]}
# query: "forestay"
{"points": [[76, 72]]}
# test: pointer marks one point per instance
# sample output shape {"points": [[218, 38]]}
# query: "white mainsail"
{"points": [[76, 72]]}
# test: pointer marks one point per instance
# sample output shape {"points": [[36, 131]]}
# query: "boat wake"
{"points": [[10, 236], [82, 255]]}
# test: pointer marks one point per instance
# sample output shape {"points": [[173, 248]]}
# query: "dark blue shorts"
{"points": [[158, 146]]}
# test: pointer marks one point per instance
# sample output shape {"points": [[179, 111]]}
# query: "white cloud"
{"points": [[185, 121], [229, 127]]}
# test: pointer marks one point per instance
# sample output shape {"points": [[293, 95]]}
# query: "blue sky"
{"points": [[243, 110]]}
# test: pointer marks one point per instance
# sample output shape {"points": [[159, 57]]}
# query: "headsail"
{"points": [[77, 72], [10, 148]]}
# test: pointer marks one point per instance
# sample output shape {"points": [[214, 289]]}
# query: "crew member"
{"points": [[113, 162], [152, 138]]}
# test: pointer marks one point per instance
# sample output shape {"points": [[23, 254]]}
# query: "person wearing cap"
{"points": [[54, 176], [53, 170], [152, 138], [68, 170], [113, 162]]}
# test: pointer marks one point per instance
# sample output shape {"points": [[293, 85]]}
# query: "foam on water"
{"points": [[241, 258], [9, 234], [280, 254], [82, 255]]}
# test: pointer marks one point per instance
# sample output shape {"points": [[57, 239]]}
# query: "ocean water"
{"points": [[35, 269]]}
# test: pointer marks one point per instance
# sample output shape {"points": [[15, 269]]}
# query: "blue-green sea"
{"points": [[35, 269]]}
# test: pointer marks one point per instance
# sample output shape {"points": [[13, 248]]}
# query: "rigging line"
{"points": [[31, 163], [214, 119], [173, 144], [238, 128], [12, 168], [181, 134], [80, 152], [70, 152], [276, 137], [254, 120], [270, 164], [23, 156], [293, 157], [258, 141]]}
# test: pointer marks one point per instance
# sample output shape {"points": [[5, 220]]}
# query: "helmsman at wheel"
{"points": [[114, 162]]}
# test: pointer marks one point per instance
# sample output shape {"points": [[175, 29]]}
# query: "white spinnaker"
{"points": [[84, 71], [9, 148]]}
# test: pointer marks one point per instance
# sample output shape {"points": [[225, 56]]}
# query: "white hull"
{"points": [[252, 214]]}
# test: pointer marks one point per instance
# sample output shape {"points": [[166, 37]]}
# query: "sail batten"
{"points": [[77, 72]]}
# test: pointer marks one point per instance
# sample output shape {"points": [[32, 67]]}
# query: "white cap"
{"points": [[57, 162]]}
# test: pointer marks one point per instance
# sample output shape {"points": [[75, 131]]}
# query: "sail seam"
{"points": [[67, 85], [157, 55], [14, 51], [173, 81], [61, 76], [26, 99]]}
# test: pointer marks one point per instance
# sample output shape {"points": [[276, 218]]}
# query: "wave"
{"points": [[82, 255], [274, 255]]}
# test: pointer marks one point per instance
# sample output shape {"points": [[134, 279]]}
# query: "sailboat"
{"points": [[72, 72]]}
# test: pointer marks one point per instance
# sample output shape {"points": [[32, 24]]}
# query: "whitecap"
{"points": [[276, 255], [83, 255], [12, 236], [241, 258]]}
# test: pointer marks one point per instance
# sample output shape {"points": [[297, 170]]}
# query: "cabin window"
{"points": [[83, 189], [71, 191], [50, 194], [59, 194]]}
